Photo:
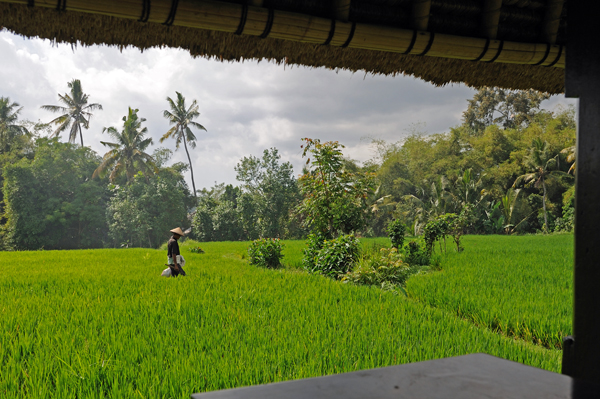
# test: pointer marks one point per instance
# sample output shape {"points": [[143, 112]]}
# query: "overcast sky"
{"points": [[245, 107]]}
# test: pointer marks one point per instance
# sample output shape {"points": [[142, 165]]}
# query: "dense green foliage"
{"points": [[259, 207], [51, 202], [520, 286], [141, 213], [385, 269], [396, 231], [334, 198], [332, 258], [102, 323], [266, 252]]}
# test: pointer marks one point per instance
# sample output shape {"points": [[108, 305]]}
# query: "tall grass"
{"points": [[520, 286], [103, 323]]}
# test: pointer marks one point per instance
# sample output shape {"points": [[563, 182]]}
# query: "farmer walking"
{"points": [[173, 254]]}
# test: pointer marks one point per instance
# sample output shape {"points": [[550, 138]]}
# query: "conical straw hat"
{"points": [[177, 231]]}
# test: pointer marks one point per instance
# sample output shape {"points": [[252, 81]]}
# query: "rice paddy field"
{"points": [[521, 286], [103, 323]]}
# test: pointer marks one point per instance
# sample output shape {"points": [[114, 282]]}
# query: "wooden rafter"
{"points": [[551, 21], [341, 10], [420, 14], [490, 18]]}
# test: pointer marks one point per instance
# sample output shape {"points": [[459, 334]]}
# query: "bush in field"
{"points": [[331, 258], [417, 254], [435, 230], [384, 269], [396, 231], [314, 243], [266, 252]]}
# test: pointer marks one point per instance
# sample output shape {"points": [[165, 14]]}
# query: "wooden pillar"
{"points": [[582, 359]]}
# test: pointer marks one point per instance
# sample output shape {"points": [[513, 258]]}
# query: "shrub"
{"points": [[196, 250], [417, 254], [396, 230], [266, 252], [384, 269], [314, 243], [334, 258]]}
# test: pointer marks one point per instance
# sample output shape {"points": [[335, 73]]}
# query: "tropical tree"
{"points": [[272, 187], [182, 118], [571, 157], [334, 199], [543, 166], [127, 155], [76, 112], [506, 108], [10, 128]]}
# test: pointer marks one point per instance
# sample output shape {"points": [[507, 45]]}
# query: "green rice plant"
{"points": [[103, 323], [520, 286]]}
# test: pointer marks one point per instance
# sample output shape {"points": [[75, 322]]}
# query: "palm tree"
{"points": [[571, 157], [76, 112], [182, 119], [127, 154], [543, 167], [9, 128]]}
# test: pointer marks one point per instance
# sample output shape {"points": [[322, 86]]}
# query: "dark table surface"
{"points": [[471, 376]]}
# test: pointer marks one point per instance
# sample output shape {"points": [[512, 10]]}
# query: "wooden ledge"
{"points": [[471, 376]]}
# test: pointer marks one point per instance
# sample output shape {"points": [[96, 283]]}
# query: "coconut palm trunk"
{"points": [[81, 136], [191, 169], [544, 205]]}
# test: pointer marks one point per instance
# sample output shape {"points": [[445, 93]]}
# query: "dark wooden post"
{"points": [[582, 354]]}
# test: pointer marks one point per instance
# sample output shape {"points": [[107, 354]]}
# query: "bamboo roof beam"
{"points": [[256, 3], [551, 21], [262, 22], [420, 14], [490, 18], [341, 10]]}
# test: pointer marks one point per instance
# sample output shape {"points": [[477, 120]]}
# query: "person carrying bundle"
{"points": [[175, 260]]}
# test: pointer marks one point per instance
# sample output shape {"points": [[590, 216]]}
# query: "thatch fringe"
{"points": [[88, 29], [262, 22]]}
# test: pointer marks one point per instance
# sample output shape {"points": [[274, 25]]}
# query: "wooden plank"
{"points": [[467, 377]]}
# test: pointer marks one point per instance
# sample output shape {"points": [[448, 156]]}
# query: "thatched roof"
{"points": [[517, 44]]}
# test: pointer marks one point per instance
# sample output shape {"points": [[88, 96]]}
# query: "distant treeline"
{"points": [[510, 163]]}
